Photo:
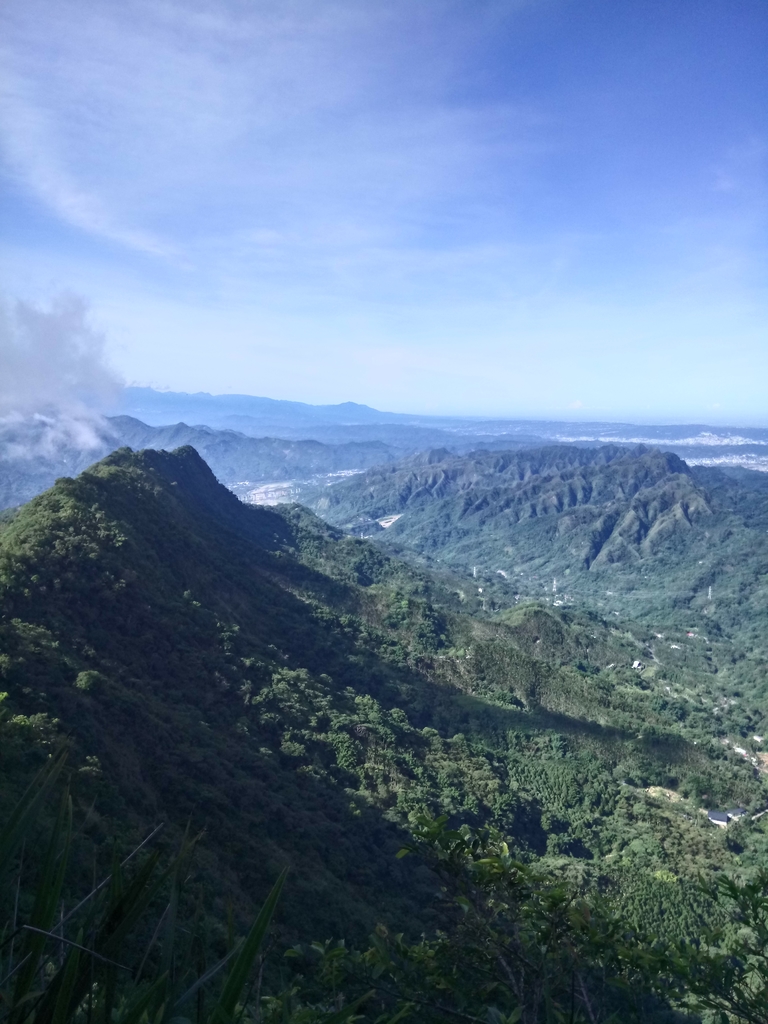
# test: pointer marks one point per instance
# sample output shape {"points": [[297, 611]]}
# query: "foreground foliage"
{"points": [[520, 945]]}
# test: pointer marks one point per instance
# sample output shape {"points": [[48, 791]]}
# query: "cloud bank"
{"points": [[54, 379]]}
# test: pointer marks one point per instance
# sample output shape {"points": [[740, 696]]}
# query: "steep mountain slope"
{"points": [[142, 605], [298, 694], [635, 531], [475, 490]]}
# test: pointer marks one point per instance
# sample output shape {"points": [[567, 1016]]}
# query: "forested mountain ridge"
{"points": [[526, 485], [299, 694], [142, 604], [635, 531]]}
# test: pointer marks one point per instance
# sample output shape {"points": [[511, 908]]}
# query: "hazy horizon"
{"points": [[573, 419]]}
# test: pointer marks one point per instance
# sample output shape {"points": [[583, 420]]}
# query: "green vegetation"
{"points": [[640, 517], [518, 945], [676, 557], [305, 700]]}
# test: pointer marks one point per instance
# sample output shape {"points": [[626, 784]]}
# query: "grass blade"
{"points": [[25, 812], [344, 1014], [203, 979], [63, 1010], [246, 955], [46, 899]]}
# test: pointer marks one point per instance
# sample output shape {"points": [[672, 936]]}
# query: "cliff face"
{"points": [[612, 504], [633, 531]]}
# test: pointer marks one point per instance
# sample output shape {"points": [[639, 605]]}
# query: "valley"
{"points": [[524, 642], [182, 639], [675, 557], [634, 532]]}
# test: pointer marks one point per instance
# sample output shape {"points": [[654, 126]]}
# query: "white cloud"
{"points": [[52, 360], [53, 381]]}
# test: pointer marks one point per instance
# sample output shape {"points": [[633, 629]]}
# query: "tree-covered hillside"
{"points": [[300, 695], [633, 532]]}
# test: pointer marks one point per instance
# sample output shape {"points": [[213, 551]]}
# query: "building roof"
{"points": [[720, 816], [736, 812]]}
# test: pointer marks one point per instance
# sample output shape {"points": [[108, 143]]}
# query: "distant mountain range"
{"points": [[161, 407], [268, 450], [34, 453], [349, 421]]}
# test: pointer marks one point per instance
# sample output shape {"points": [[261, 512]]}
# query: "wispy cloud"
{"points": [[32, 153], [505, 183], [159, 126]]}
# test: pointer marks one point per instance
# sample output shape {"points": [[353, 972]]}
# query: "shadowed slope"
{"points": [[298, 693]]}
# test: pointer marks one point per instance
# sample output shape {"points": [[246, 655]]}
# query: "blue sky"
{"points": [[522, 208]]}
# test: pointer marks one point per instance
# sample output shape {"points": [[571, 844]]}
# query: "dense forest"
{"points": [[635, 534], [307, 700]]}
